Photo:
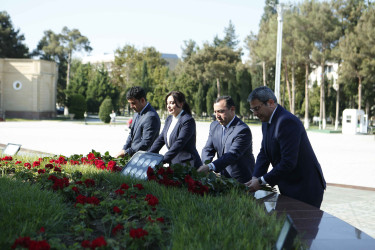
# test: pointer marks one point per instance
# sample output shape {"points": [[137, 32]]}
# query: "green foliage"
{"points": [[244, 89], [77, 105], [60, 48], [105, 110], [81, 76], [99, 87], [25, 208], [11, 42], [210, 99]]}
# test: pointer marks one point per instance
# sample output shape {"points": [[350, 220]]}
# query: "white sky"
{"points": [[110, 24]]}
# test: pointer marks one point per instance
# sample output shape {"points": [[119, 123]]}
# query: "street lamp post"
{"points": [[280, 9]]}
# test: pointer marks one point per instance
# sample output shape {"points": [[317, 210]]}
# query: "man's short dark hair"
{"points": [[263, 94], [228, 101], [136, 92]]}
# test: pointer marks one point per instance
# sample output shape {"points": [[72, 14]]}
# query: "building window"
{"points": [[17, 85]]}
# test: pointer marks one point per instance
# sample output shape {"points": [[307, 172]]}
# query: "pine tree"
{"points": [[11, 41]]}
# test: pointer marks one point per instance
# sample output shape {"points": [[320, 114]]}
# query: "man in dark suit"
{"points": [[229, 138], [286, 146], [145, 126]]}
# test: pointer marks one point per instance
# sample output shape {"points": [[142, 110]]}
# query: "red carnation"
{"points": [[98, 242], [116, 209], [117, 228], [75, 189], [41, 171], [137, 233], [124, 186], [160, 219], [91, 156], [151, 200], [89, 182], [119, 192], [139, 186]]}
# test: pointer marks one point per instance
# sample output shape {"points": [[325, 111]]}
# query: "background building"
{"points": [[27, 88]]}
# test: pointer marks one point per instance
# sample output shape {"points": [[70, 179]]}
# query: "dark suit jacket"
{"points": [[296, 169], [182, 141], [235, 158], [144, 132]]}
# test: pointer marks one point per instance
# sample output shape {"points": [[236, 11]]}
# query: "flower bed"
{"points": [[110, 210]]}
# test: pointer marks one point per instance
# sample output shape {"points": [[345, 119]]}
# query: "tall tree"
{"points": [[262, 47], [11, 41], [230, 38], [100, 87], [189, 49], [214, 64], [348, 13], [73, 40], [60, 48], [365, 31], [326, 32]]}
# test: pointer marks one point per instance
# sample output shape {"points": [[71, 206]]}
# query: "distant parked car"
{"points": [[60, 111]]}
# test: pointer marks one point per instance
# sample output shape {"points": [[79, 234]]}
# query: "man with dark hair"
{"points": [[229, 138], [286, 146], [145, 126]]}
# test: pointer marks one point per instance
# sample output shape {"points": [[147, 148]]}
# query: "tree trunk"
{"points": [[293, 110], [288, 85], [359, 92], [218, 87], [337, 107], [322, 122], [306, 96], [66, 110], [264, 74]]}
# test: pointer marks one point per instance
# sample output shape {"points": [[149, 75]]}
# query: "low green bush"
{"points": [[77, 106], [105, 110]]}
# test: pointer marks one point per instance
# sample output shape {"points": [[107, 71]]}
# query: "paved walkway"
{"points": [[345, 159]]}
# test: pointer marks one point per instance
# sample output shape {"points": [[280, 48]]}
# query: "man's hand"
{"points": [[253, 184], [122, 153], [203, 169]]}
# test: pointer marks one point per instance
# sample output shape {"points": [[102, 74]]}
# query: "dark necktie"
{"points": [[222, 138]]}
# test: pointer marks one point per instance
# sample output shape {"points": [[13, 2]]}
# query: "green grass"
{"points": [[230, 221], [25, 208]]}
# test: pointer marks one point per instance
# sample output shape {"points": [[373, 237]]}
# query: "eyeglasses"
{"points": [[256, 109]]}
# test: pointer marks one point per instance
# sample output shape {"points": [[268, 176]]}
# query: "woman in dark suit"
{"points": [[179, 133]]}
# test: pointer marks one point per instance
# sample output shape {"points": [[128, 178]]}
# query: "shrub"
{"points": [[105, 110], [77, 105]]}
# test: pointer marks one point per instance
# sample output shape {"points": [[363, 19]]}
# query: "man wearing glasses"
{"points": [[286, 146], [229, 138]]}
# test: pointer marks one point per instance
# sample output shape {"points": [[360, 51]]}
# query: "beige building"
{"points": [[28, 88]]}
